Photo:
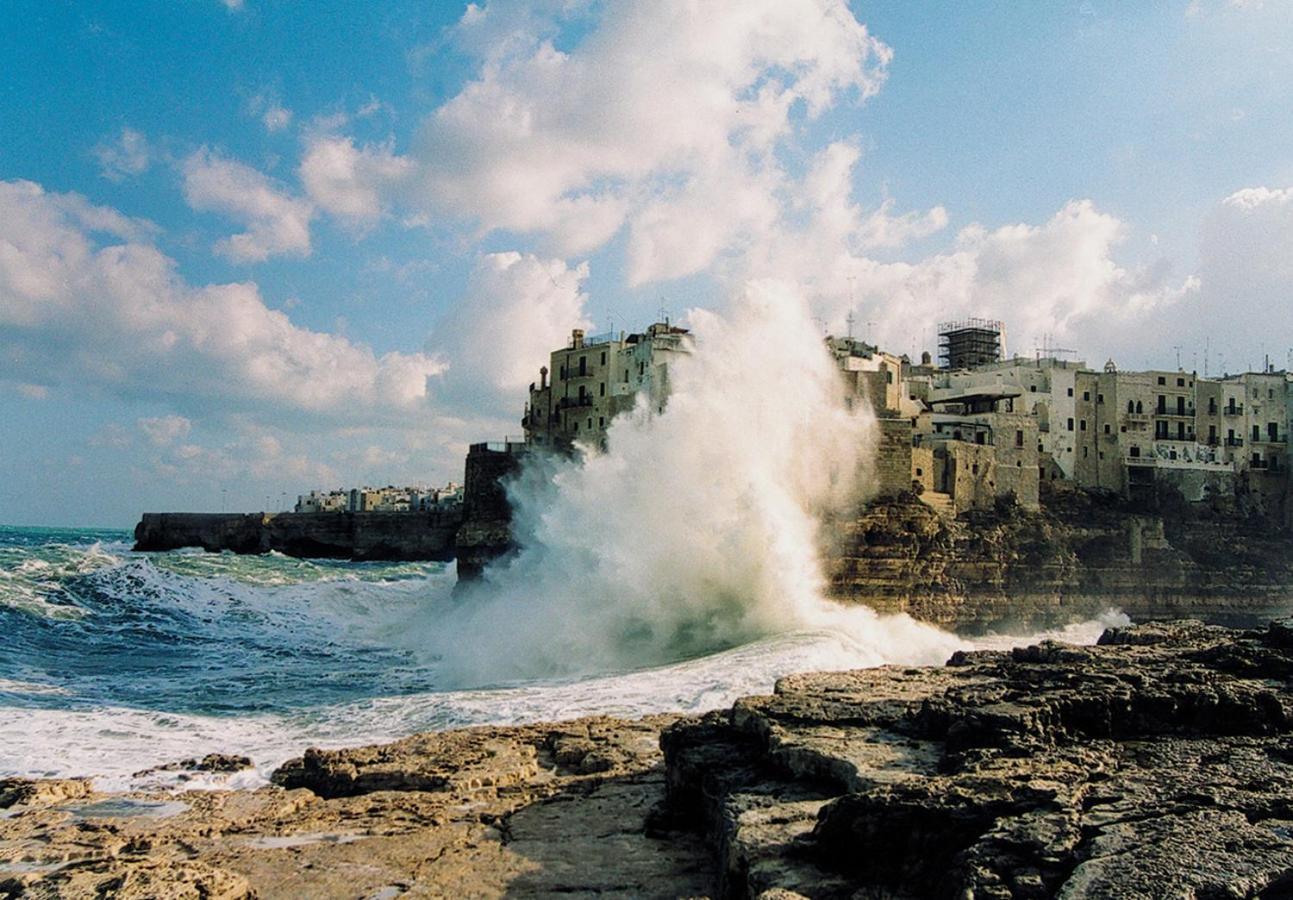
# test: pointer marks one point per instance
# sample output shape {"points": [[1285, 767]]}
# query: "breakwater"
{"points": [[336, 535]]}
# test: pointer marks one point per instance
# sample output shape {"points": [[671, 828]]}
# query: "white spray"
{"points": [[696, 529]]}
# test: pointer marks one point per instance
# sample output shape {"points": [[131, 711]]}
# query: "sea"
{"points": [[114, 663]]}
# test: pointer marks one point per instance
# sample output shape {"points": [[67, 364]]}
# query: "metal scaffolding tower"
{"points": [[968, 343]]}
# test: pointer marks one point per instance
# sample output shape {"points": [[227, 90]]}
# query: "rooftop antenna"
{"points": [[1207, 347], [1177, 348], [849, 319]]}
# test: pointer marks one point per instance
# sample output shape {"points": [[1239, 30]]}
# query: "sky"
{"points": [[250, 248]]}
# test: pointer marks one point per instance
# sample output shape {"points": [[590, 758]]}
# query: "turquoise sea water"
{"points": [[113, 662]]}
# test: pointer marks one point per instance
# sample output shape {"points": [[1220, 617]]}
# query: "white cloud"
{"points": [[348, 181], [518, 308], [163, 431], [666, 117], [128, 154], [116, 315], [277, 223], [1060, 277], [233, 5], [271, 112], [276, 117]]}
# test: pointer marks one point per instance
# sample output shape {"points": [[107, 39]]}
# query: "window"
{"points": [[1106, 428], [1102, 454], [1180, 382], [1257, 433], [583, 365], [1180, 406], [975, 469], [1070, 392], [1082, 425], [1084, 452], [603, 389], [1212, 406], [1131, 407], [626, 374], [1032, 388], [1180, 431], [601, 421], [1273, 431], [1140, 407], [919, 472], [1086, 396], [1162, 380], [603, 357], [1099, 398], [590, 422], [1134, 452], [1070, 424], [1162, 404], [980, 437], [1019, 438], [1123, 429]]}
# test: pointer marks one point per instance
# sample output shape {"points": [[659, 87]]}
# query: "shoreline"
{"points": [[1011, 769]]}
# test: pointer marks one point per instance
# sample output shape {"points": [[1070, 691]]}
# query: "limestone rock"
{"points": [[1156, 761]]}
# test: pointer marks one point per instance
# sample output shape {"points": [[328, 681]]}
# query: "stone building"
{"points": [[595, 379]]}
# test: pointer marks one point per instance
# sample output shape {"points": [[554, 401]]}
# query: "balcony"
{"points": [[1236, 409], [1267, 439], [1234, 442]]}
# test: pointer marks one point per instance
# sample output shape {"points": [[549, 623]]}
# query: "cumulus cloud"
{"points": [[1060, 277], [517, 309], [126, 155], [349, 181], [85, 298], [277, 223], [666, 117]]}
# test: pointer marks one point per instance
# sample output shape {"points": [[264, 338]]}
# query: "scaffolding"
{"points": [[969, 343]]}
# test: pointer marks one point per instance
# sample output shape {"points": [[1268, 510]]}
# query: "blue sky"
{"points": [[249, 249]]}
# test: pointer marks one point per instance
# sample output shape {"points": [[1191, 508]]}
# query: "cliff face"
{"points": [[1073, 559], [358, 536]]}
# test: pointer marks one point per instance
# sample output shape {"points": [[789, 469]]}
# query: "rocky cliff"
{"points": [[1079, 555], [1155, 764], [345, 535]]}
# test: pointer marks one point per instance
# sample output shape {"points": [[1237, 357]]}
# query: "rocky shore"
{"points": [[1158, 763]]}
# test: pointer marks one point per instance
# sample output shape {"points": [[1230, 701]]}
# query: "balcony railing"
{"points": [[1234, 410]]}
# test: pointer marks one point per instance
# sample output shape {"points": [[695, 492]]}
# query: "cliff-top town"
{"points": [[981, 426]]}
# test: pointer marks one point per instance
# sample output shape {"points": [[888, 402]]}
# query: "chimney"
{"points": [[577, 338], [543, 377]]}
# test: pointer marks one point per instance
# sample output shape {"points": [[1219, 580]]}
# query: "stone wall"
{"points": [[893, 465], [486, 530]]}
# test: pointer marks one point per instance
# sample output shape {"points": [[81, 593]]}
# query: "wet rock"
{"points": [[1155, 762], [14, 791]]}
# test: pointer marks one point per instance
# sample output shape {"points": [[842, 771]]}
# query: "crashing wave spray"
{"points": [[696, 529]]}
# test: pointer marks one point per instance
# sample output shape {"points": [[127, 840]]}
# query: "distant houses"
{"points": [[383, 499]]}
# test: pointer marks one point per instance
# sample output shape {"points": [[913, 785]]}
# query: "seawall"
{"points": [[345, 535]]}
